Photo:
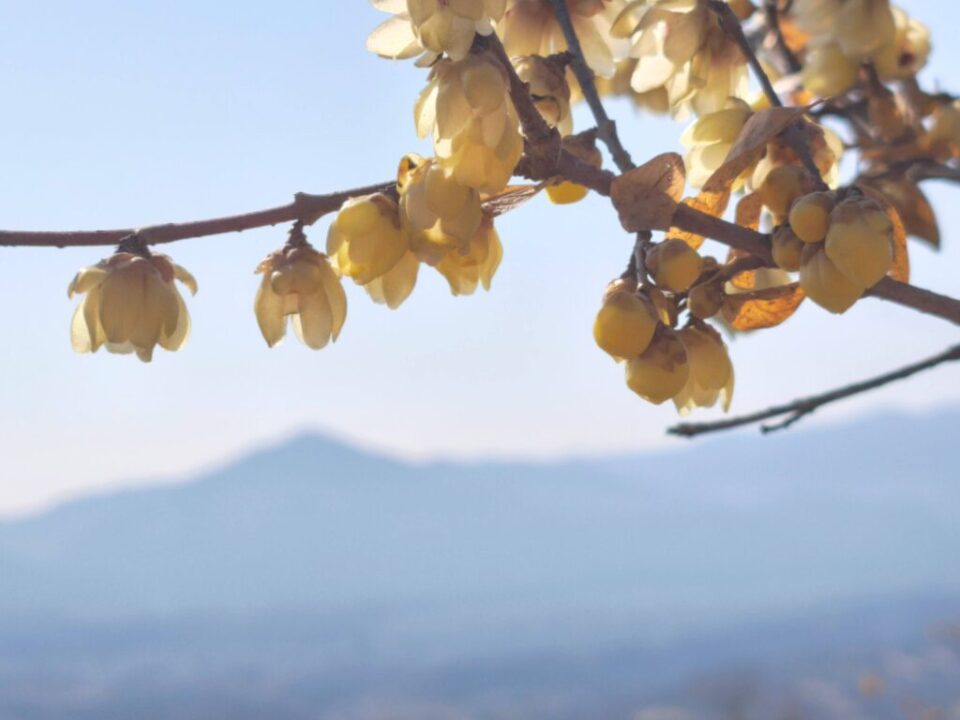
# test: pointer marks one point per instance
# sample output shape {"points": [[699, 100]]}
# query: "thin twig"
{"points": [[772, 16], [307, 208], [799, 409], [607, 128]]}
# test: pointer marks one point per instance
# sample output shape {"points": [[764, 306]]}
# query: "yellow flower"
{"points": [[681, 48], [529, 27], [300, 282], [661, 371], [432, 26], [436, 212], [395, 286], [476, 130], [711, 372], [477, 264], [827, 71], [709, 139], [131, 304], [859, 27], [549, 90], [365, 240], [907, 54]]}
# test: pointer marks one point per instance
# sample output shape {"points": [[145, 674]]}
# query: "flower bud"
{"points": [[823, 283], [674, 265], [860, 240], [810, 216], [782, 187], [705, 300], [661, 371], [625, 323], [786, 248]]}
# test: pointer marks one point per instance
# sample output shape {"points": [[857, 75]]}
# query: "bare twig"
{"points": [[607, 128], [772, 16], [306, 208], [795, 411]]}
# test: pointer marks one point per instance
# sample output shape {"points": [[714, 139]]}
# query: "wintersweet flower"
{"points": [[365, 240], [711, 375], [529, 27], [549, 90], [681, 49], [466, 106], [437, 213], [859, 27], [432, 27], [465, 269], [710, 138], [395, 285], [131, 304], [300, 283]]}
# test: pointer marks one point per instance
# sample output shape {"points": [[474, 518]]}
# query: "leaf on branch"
{"points": [[647, 196], [750, 146], [914, 208], [510, 198], [748, 211], [900, 269], [760, 309]]}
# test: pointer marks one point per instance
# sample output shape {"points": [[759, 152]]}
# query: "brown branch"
{"points": [[799, 409], [607, 128], [772, 16], [305, 208]]}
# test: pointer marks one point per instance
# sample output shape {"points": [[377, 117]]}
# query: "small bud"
{"points": [[786, 248], [824, 283], [860, 241], [782, 187], [661, 371], [674, 265], [626, 322], [810, 216], [705, 300]]}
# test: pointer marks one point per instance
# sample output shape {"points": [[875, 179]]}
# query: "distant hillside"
{"points": [[737, 527]]}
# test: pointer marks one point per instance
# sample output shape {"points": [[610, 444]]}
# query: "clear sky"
{"points": [[126, 114]]}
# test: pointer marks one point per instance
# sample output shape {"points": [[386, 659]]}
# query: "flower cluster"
{"points": [[662, 318]]}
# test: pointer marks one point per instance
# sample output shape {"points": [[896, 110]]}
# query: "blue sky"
{"points": [[125, 114]]}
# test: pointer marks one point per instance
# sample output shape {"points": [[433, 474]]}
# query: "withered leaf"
{"points": [[510, 198], [914, 208], [647, 196], [760, 309], [750, 146]]}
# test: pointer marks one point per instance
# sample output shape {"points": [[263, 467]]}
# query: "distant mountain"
{"points": [[736, 527], [316, 580]]}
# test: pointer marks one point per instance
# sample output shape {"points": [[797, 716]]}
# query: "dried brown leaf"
{"points": [[762, 309], [914, 208], [647, 196], [750, 146], [510, 198]]}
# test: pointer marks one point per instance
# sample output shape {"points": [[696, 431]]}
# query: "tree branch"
{"points": [[799, 409], [606, 128], [305, 208]]}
